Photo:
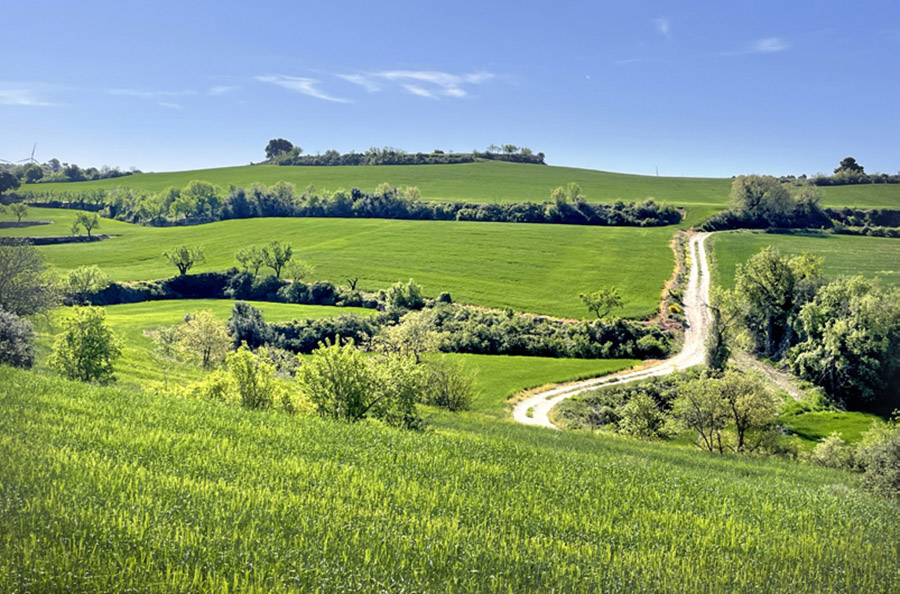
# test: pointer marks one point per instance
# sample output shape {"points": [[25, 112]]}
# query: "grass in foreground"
{"points": [[844, 255], [532, 268], [117, 491]]}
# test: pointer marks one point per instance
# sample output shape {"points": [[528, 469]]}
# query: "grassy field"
{"points": [[531, 268], [490, 182], [844, 255], [117, 491], [812, 427], [497, 377], [130, 321]]}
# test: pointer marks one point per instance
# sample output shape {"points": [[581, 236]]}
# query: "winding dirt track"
{"points": [[696, 299]]}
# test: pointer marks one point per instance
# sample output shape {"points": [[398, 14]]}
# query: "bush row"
{"points": [[201, 203]]}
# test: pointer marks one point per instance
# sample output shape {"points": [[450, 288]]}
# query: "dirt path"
{"points": [[534, 409]]}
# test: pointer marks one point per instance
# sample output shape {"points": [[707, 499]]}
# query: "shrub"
{"points": [[449, 385], [85, 281], [832, 452], [16, 341], [205, 336], [247, 326], [405, 296], [87, 348], [641, 417], [339, 382], [879, 455], [254, 378]]}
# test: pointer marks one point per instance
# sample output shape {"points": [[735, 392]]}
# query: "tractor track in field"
{"points": [[535, 409]]}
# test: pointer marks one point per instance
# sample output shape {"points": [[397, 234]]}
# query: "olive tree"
{"points": [[604, 299], [88, 220], [184, 257]]}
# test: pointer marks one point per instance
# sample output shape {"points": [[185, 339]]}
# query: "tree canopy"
{"points": [[278, 147]]}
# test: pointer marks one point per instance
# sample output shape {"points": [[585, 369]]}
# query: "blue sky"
{"points": [[693, 88]]}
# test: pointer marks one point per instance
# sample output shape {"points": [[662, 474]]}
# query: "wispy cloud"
{"points": [[307, 86], [662, 26], [147, 94], [432, 84], [169, 105], [222, 89], [20, 96], [766, 45], [625, 61], [769, 45]]}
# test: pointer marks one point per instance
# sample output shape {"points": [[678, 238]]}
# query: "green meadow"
{"points": [[531, 268], [114, 490], [844, 255], [497, 377], [492, 181]]}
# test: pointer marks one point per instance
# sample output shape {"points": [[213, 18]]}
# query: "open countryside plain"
{"points": [[531, 268]]}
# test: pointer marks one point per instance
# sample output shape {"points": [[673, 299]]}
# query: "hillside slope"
{"points": [[113, 490]]}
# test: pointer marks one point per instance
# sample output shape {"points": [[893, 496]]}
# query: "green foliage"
{"points": [[879, 456], [254, 378], [184, 257], [206, 337], [251, 258], [26, 286], [178, 494], [641, 417], [762, 196], [413, 336], [339, 382], [832, 452], [449, 384], [16, 341], [8, 182], [86, 349], [405, 295], [89, 221], [851, 341], [277, 147], [85, 281], [18, 210], [604, 299], [247, 326], [276, 255]]}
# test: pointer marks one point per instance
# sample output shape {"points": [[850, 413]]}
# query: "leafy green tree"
{"points": [[762, 196], [203, 197], [602, 300], [449, 385], [205, 336], [641, 417], [413, 337], [8, 181], [278, 147], [16, 341], [772, 288], [85, 281], [86, 349], [849, 166], [510, 148], [339, 382], [33, 173], [726, 312], [26, 286], [851, 342], [277, 255], [399, 385], [298, 270], [247, 326], [879, 455], [251, 258], [254, 377], [18, 210], [699, 406], [751, 408], [184, 257], [88, 220], [405, 295]]}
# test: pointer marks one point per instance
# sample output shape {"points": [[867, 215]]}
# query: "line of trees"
{"points": [[201, 202], [54, 171], [283, 152]]}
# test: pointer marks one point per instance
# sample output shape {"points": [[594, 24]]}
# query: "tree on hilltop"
{"points": [[278, 147], [604, 299]]}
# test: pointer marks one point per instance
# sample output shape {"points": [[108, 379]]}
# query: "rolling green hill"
{"points": [[531, 268], [116, 491], [493, 181]]}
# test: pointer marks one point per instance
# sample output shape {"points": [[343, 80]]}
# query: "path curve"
{"points": [[696, 300]]}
